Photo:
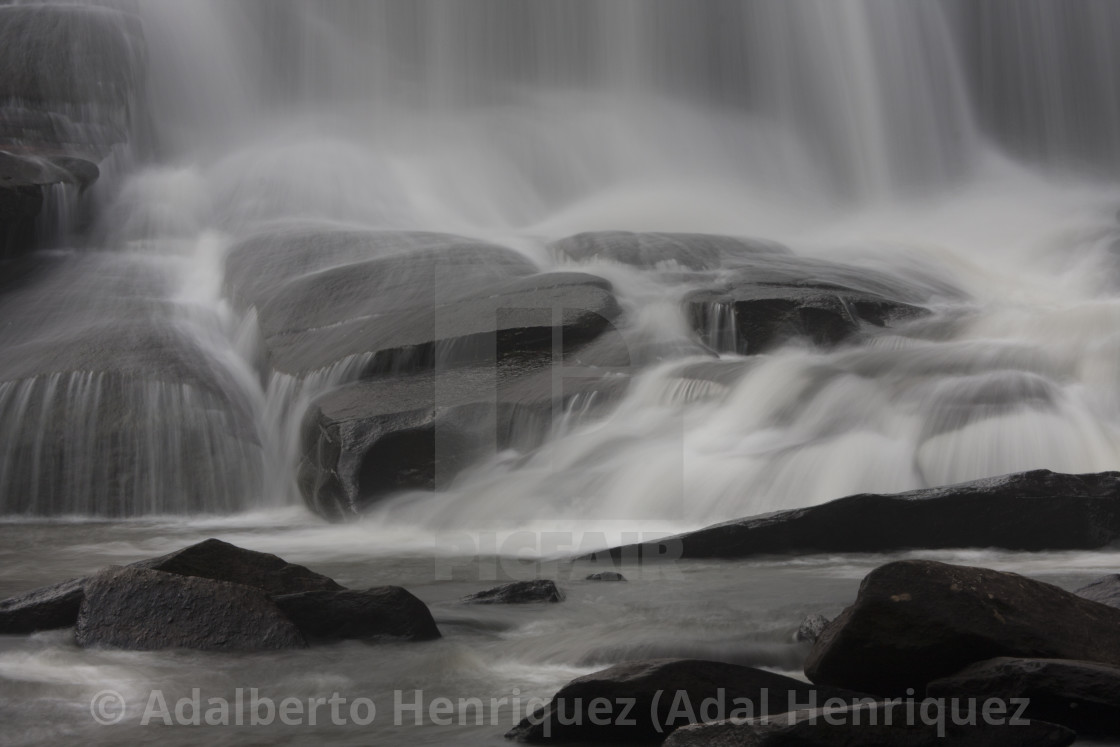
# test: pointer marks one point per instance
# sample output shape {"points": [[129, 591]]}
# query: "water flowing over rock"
{"points": [[1105, 590], [916, 621], [1037, 510]]}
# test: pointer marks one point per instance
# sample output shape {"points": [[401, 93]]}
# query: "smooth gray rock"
{"points": [[140, 609], [915, 621], [381, 612]]}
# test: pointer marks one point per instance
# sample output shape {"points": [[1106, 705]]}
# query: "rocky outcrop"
{"points": [[642, 702], [811, 628], [140, 609], [518, 592], [1038, 510], [381, 612], [917, 621], [873, 725], [1083, 695], [606, 576]]}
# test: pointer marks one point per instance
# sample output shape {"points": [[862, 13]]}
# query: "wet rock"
{"points": [[660, 696], [382, 612], [693, 251], [422, 299], [810, 629], [1038, 510], [606, 576], [42, 609], [868, 725], [1083, 695], [518, 592], [915, 621], [368, 439], [221, 561], [140, 609], [1105, 590]]}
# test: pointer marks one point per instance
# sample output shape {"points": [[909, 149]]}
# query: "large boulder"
{"points": [[401, 301], [872, 725], [221, 561], [642, 702], [1082, 695], [915, 621], [381, 612], [518, 592], [370, 438], [141, 609], [1038, 510], [1105, 590], [57, 606]]}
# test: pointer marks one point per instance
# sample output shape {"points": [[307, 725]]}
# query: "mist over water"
{"points": [[964, 149]]}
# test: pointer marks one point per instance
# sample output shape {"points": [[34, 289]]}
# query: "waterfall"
{"points": [[964, 147]]}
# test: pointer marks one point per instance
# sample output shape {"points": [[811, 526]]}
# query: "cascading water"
{"points": [[874, 133]]}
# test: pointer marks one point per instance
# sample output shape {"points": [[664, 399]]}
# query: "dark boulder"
{"points": [[140, 609], [606, 576], [42, 609], [222, 561], [1105, 590], [915, 621], [811, 628], [642, 702], [1083, 695], [368, 439], [871, 725], [692, 251], [1038, 510], [518, 592], [381, 612]]}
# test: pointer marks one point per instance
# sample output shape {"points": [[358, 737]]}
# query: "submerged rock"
{"points": [[870, 725], [381, 612], [916, 621], [642, 702], [1083, 695], [606, 576], [141, 609], [1038, 510], [693, 251], [518, 592]]}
